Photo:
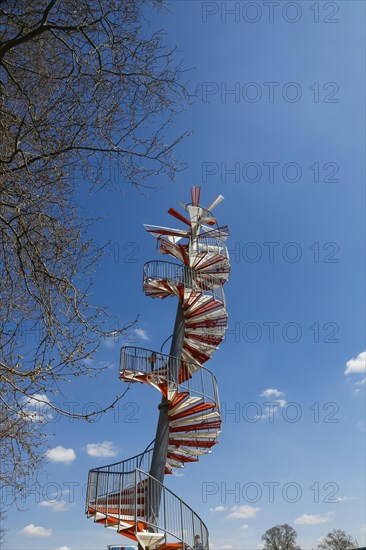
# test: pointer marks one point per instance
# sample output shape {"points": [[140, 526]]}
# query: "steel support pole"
{"points": [[158, 462]]}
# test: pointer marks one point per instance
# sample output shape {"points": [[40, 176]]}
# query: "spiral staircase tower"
{"points": [[130, 496]]}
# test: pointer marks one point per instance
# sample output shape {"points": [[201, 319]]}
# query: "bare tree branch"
{"points": [[84, 88]]}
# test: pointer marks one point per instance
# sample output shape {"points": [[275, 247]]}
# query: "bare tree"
{"points": [[280, 537], [87, 95], [2, 528], [337, 540]]}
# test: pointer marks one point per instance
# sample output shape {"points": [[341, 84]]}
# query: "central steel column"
{"points": [[160, 452]]}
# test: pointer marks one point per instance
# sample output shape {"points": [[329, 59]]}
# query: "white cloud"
{"points": [[243, 512], [32, 530], [345, 499], [272, 392], [312, 519], [60, 454], [36, 399], [217, 509], [141, 334], [63, 548], [356, 365], [136, 335], [35, 408], [55, 505], [271, 408], [244, 526], [106, 448], [227, 547]]}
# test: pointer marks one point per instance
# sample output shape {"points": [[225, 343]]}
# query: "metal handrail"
{"points": [[203, 243], [183, 275], [127, 465], [206, 245], [125, 490], [202, 383], [207, 212]]}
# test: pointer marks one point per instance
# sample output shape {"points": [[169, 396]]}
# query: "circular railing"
{"points": [[129, 491], [183, 275], [202, 382]]}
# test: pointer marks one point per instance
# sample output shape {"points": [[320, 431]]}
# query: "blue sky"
{"points": [[278, 129]]}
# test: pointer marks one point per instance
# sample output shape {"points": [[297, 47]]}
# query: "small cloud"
{"points": [[35, 408], [243, 512], [218, 509], [272, 392], [141, 334], [357, 365], [361, 382], [36, 399], [63, 548], [106, 448], [312, 519], [136, 335], [60, 454], [345, 499], [244, 526], [56, 505], [32, 530], [271, 408], [226, 547]]}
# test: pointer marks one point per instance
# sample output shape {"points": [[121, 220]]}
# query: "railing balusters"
{"points": [[185, 275], [203, 384], [136, 499], [173, 519], [181, 518], [96, 488], [164, 505]]}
